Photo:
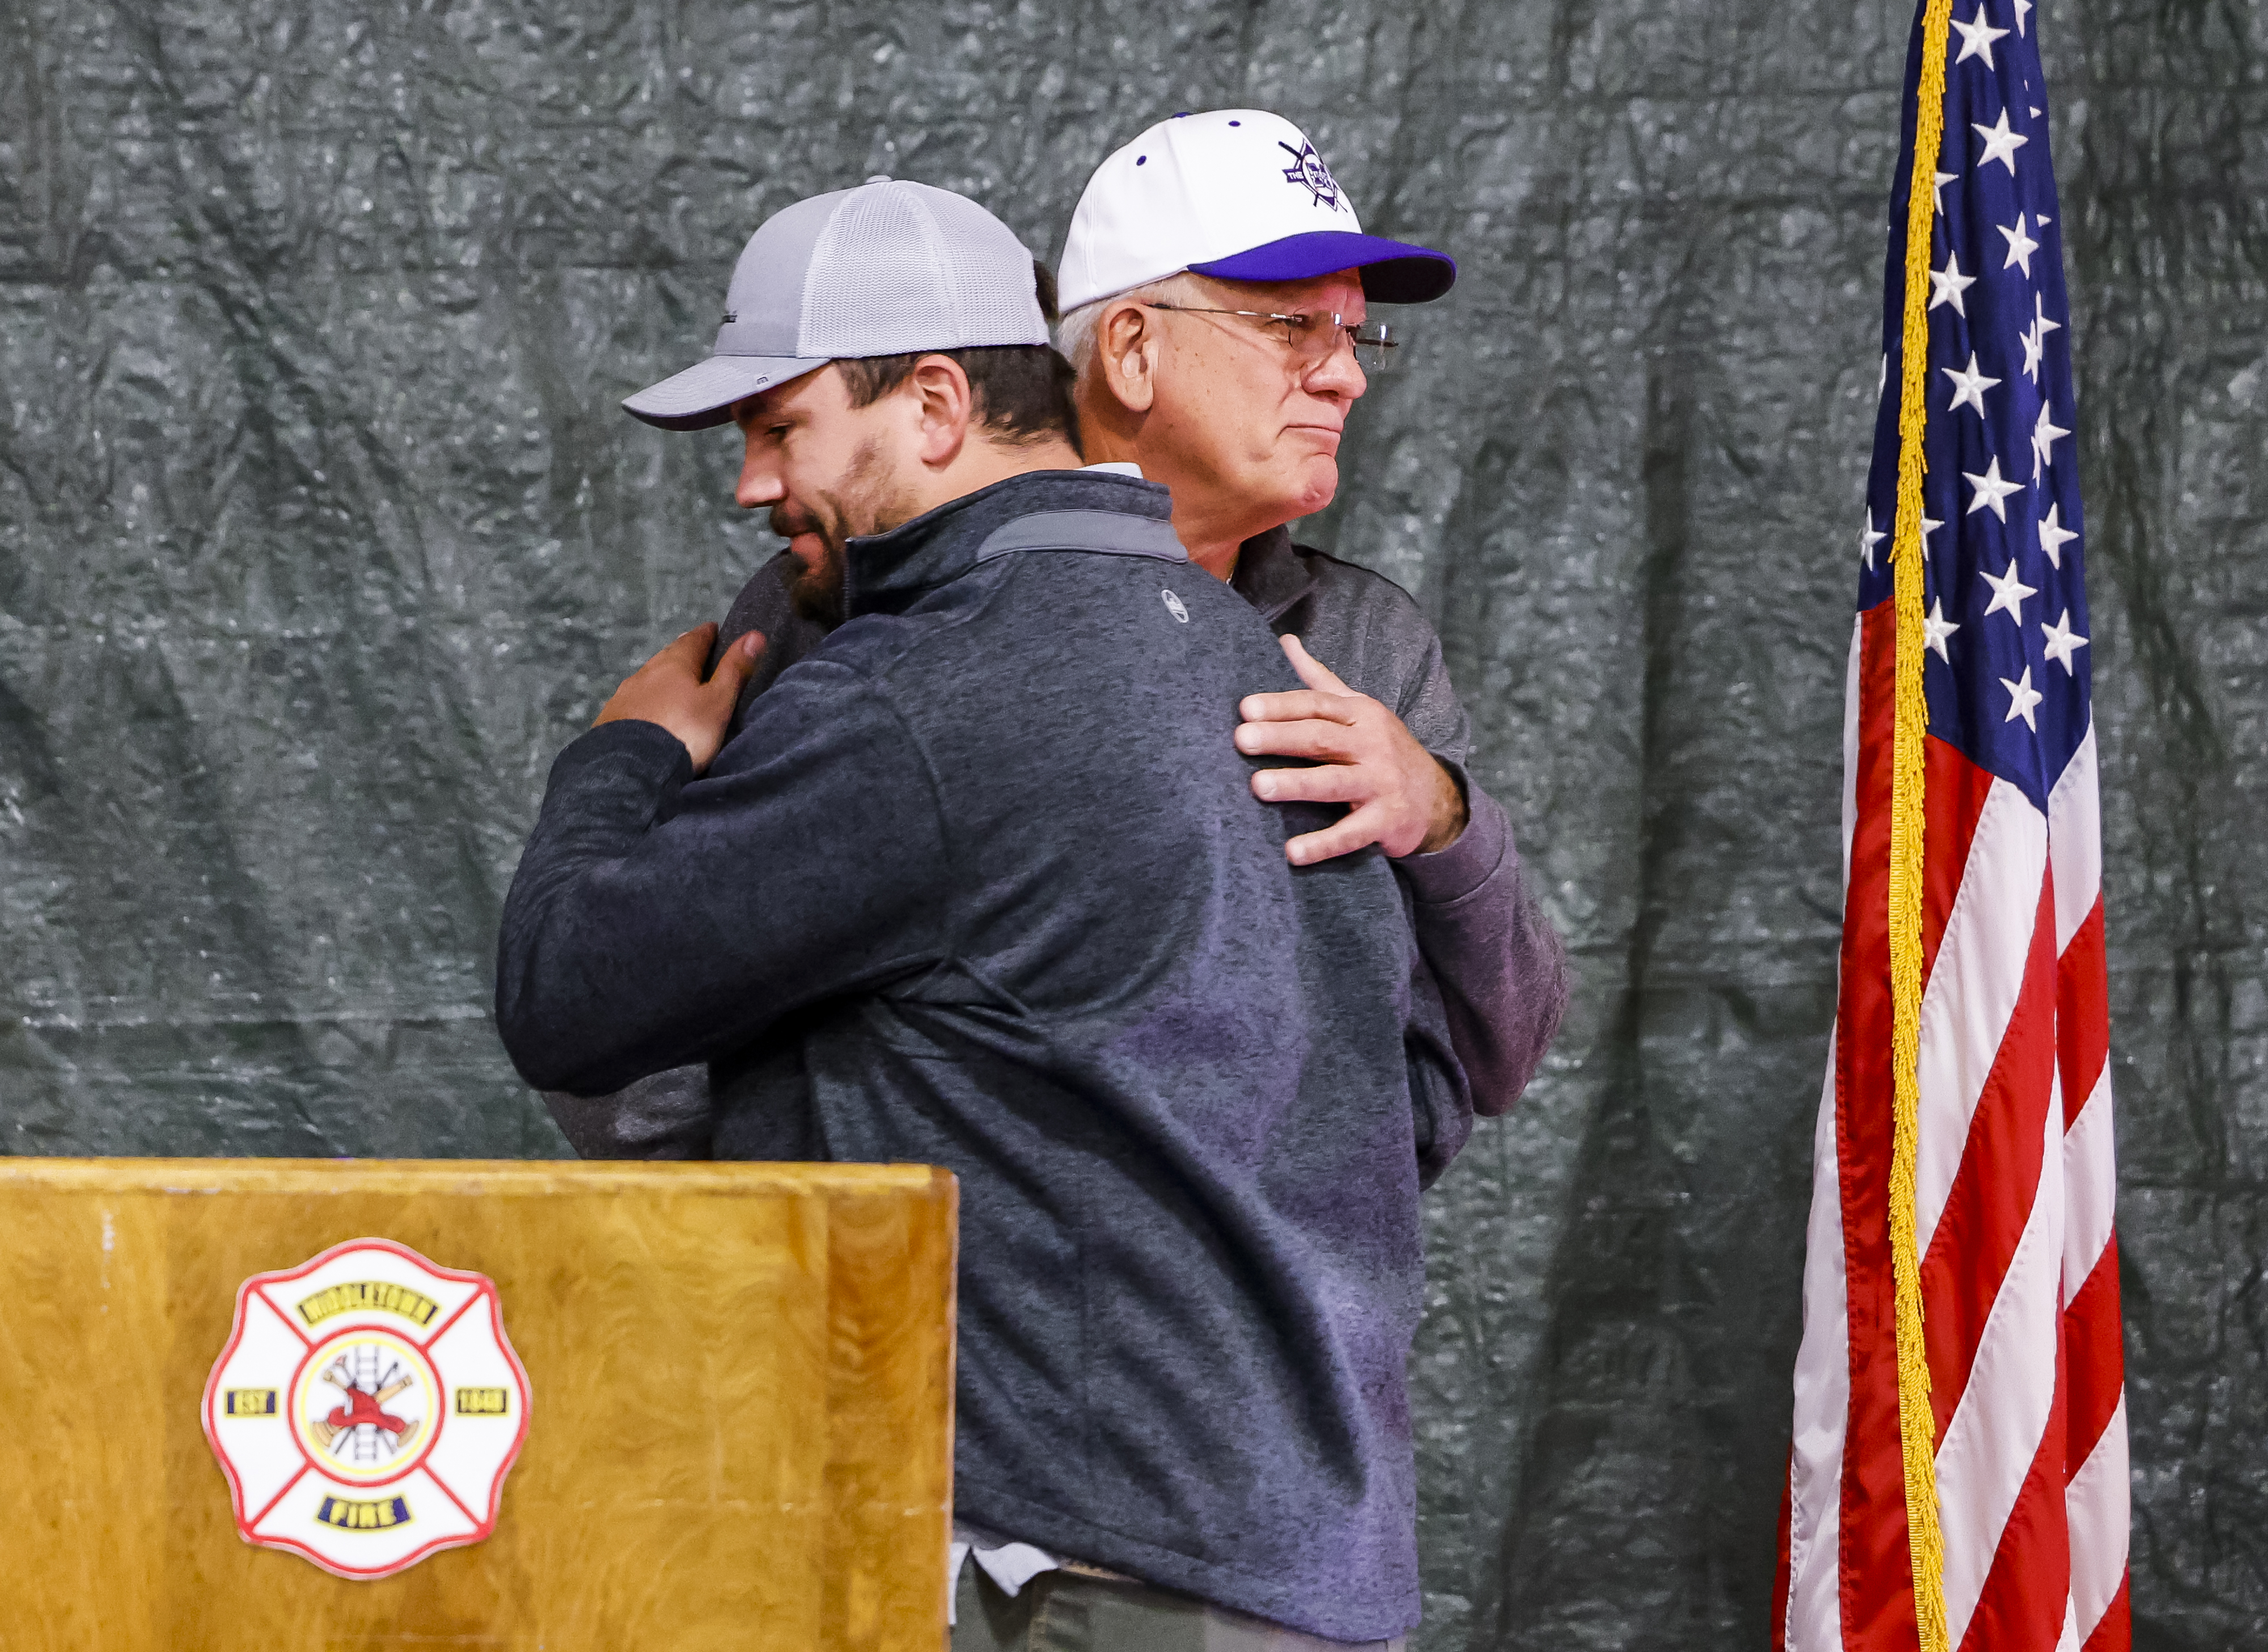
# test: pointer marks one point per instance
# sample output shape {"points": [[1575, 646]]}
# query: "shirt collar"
{"points": [[885, 573], [1270, 574]]}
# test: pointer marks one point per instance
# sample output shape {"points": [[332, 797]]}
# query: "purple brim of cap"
{"points": [[1392, 272], [705, 393]]}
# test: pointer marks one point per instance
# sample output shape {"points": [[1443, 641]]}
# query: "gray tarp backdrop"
{"points": [[319, 532]]}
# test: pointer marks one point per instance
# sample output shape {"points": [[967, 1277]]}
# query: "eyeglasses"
{"points": [[1313, 338]]}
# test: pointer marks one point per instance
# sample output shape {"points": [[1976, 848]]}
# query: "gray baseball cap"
{"points": [[885, 269]]}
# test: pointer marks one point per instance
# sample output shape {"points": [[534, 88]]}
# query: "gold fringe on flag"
{"points": [[1917, 1423]]}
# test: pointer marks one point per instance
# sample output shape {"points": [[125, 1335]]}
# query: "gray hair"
{"points": [[1075, 333]]}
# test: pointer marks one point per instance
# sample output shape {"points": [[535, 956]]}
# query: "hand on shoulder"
{"points": [[1399, 796], [670, 691]]}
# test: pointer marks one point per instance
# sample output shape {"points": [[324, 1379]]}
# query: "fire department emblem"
{"points": [[366, 1408]]}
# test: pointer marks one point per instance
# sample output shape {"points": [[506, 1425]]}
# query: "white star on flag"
{"points": [[1938, 182], [2020, 246], [1992, 492], [1869, 537], [1977, 37], [1968, 385], [2022, 697], [1947, 284], [2045, 434], [2023, 6], [2008, 594], [2000, 144], [2040, 322], [1936, 627], [2062, 642], [2054, 536], [2034, 349]]}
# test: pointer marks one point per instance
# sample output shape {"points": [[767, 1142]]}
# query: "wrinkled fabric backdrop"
{"points": [[320, 533]]}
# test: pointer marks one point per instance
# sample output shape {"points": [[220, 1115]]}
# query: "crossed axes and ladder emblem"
{"points": [[363, 1423]]}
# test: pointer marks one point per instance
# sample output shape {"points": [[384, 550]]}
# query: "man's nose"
{"points": [[1339, 373], [760, 478]]}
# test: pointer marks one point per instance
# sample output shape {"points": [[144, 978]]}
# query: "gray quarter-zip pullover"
{"points": [[991, 852]]}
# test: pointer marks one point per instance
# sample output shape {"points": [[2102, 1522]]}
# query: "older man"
{"points": [[1216, 284]]}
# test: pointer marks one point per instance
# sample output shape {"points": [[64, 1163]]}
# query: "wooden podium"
{"points": [[740, 1433]]}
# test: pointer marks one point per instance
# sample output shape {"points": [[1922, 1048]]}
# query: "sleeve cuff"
{"points": [[618, 777], [629, 748], [1450, 874]]}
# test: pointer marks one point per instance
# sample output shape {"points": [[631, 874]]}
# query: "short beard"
{"points": [[817, 591], [864, 502]]}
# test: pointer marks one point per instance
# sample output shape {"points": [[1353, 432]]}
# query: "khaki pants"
{"points": [[1063, 1612]]}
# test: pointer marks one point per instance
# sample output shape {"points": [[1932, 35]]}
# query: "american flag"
{"points": [[2014, 1262]]}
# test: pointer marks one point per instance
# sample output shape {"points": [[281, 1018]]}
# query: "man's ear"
{"points": [[944, 406], [1126, 344]]}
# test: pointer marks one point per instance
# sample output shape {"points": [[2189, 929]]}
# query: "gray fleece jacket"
{"points": [[1495, 959], [990, 848]]}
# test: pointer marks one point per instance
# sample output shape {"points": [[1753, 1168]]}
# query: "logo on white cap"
{"points": [[1308, 168], [1211, 192]]}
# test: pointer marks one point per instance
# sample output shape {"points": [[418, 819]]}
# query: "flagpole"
{"points": [[1917, 1422]]}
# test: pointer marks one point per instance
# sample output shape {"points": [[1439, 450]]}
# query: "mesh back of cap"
{"points": [[992, 272], [901, 268]]}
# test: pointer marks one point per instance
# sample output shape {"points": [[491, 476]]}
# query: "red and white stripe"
{"points": [[2095, 1487], [2015, 1186]]}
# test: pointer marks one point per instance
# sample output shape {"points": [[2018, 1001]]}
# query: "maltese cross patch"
{"points": [[366, 1408]]}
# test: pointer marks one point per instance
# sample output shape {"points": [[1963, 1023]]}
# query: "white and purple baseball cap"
{"points": [[887, 268], [1238, 194]]}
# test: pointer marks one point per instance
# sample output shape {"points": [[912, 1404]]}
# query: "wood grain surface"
{"points": [[740, 1433]]}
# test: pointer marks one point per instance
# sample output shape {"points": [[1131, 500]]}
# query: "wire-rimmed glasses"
{"points": [[1313, 338]]}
